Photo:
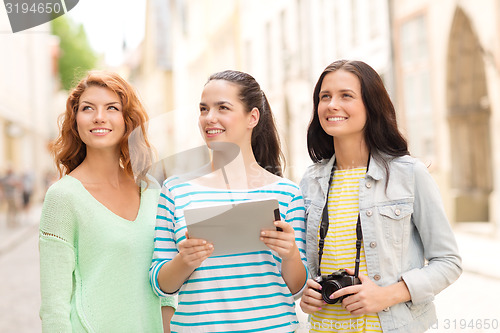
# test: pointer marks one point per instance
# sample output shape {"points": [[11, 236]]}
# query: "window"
{"points": [[354, 22], [374, 7], [417, 101]]}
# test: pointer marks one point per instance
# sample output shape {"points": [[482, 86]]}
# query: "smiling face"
{"points": [[341, 111], [223, 117], [99, 118]]}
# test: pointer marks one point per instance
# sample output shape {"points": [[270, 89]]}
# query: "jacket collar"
{"points": [[324, 168], [375, 170]]}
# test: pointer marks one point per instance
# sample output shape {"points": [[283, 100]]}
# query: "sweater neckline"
{"points": [[91, 197]]}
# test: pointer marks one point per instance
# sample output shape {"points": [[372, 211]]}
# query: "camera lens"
{"points": [[328, 288]]}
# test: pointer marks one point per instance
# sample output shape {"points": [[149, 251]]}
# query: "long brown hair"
{"points": [[265, 140], [381, 132], [69, 150]]}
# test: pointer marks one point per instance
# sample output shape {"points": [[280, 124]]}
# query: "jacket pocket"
{"points": [[406, 316], [396, 212], [396, 220]]}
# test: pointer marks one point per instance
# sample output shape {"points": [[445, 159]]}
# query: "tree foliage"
{"points": [[76, 57]]}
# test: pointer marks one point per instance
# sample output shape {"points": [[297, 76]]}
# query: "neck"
{"points": [[103, 167], [349, 154], [238, 167], [233, 160]]}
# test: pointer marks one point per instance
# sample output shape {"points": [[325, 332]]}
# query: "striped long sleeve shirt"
{"points": [[243, 292]]}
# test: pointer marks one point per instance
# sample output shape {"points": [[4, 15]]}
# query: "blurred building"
{"points": [[284, 44], [439, 60], [448, 77], [176, 57], [27, 87]]}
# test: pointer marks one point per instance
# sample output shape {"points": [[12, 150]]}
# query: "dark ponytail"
{"points": [[265, 140]]}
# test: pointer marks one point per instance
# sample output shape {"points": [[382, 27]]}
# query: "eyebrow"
{"points": [[341, 90], [87, 102], [347, 90], [217, 103]]}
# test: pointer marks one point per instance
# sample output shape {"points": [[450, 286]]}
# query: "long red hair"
{"points": [[69, 150]]}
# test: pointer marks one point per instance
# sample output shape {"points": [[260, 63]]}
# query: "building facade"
{"points": [[440, 61], [287, 44], [27, 89], [447, 57], [284, 44]]}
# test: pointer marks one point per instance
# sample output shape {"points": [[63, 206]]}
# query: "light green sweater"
{"points": [[94, 264]]}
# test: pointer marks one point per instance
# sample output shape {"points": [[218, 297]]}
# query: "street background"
{"points": [[440, 62], [466, 306]]}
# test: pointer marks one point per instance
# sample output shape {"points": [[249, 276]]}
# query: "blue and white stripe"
{"points": [[235, 293]]}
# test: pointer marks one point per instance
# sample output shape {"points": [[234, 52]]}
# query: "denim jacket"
{"points": [[406, 235]]}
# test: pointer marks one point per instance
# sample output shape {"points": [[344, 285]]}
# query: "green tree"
{"points": [[77, 57]]}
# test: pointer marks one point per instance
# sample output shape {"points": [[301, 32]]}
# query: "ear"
{"points": [[253, 118]]}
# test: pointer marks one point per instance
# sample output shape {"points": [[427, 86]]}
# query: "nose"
{"points": [[333, 105], [100, 115], [211, 116]]}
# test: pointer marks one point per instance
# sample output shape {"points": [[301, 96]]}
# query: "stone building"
{"points": [[439, 60], [447, 55], [284, 44]]}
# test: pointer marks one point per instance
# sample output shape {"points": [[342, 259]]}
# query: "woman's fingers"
{"points": [[285, 226], [281, 242], [313, 285], [311, 300], [191, 244], [194, 251]]}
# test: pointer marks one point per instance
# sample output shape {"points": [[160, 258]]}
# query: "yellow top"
{"points": [[340, 252]]}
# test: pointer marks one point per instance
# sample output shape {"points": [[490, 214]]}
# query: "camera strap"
{"points": [[324, 229]]}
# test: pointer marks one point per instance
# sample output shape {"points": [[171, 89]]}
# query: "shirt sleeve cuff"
{"points": [[170, 301], [154, 281], [298, 294], [419, 286]]}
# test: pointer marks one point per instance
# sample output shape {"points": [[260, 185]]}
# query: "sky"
{"points": [[109, 22]]}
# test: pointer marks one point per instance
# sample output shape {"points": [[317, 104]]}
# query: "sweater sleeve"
{"points": [[170, 301], [57, 261]]}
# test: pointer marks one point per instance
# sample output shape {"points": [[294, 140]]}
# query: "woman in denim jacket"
{"points": [[408, 252]]}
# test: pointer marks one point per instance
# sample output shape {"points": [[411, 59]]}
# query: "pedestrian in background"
{"points": [[251, 291], [97, 224], [28, 183], [363, 175], [11, 188]]}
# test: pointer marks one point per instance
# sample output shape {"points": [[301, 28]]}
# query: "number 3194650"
{"points": [[36, 8], [462, 324]]}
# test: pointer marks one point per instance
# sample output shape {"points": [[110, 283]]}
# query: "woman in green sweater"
{"points": [[97, 224]]}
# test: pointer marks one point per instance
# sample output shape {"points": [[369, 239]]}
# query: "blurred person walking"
{"points": [[98, 220], [11, 187], [28, 183]]}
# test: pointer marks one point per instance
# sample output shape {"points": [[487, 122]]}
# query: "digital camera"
{"points": [[333, 282]]}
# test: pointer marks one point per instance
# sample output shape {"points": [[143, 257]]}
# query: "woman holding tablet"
{"points": [[251, 291]]}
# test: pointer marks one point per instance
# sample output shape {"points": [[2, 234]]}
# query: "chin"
{"points": [[223, 146]]}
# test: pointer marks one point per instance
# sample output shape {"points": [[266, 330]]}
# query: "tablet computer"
{"points": [[233, 228]]}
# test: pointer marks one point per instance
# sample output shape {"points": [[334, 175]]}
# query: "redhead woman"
{"points": [[97, 224]]}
